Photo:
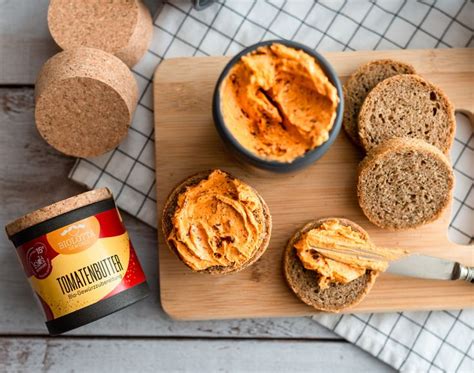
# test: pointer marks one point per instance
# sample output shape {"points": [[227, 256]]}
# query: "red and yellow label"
{"points": [[81, 263]]}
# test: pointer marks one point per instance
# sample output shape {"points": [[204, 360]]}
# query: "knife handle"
{"points": [[463, 273]]}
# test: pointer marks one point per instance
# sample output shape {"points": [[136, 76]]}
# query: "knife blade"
{"points": [[429, 267]]}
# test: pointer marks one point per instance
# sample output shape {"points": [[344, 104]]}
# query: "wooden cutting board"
{"points": [[186, 142]]}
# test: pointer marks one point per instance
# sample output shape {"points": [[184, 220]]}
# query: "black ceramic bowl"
{"points": [[248, 157]]}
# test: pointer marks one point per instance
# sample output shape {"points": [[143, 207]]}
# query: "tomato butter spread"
{"points": [[78, 259], [218, 222], [278, 103], [338, 253]]}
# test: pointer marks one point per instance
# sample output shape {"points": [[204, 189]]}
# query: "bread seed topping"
{"points": [[338, 253], [217, 222], [278, 103]]}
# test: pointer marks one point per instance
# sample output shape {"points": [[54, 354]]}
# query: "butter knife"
{"points": [[423, 266]]}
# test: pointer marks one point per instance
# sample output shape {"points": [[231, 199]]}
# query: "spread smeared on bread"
{"points": [[339, 253], [278, 103], [305, 282], [219, 221]]}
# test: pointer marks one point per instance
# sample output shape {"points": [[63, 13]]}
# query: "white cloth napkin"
{"points": [[409, 341]]}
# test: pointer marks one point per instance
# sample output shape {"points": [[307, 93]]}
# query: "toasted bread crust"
{"points": [[387, 149], [352, 293], [167, 225]]}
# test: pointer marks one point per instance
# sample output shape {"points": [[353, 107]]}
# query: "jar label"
{"points": [[81, 263]]}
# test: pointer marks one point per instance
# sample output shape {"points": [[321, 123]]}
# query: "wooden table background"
{"points": [[141, 337]]}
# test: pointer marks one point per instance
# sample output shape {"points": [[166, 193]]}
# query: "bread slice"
{"points": [[407, 106], [360, 83], [170, 208], [404, 183], [304, 282]]}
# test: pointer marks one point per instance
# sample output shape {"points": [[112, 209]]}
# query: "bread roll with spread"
{"points": [[216, 223], [331, 264]]}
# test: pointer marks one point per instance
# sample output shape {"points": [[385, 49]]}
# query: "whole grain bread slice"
{"points": [[407, 106], [170, 208], [404, 183], [304, 282], [360, 83]]}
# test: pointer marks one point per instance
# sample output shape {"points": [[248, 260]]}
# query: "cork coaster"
{"points": [[57, 209], [123, 28], [85, 99]]}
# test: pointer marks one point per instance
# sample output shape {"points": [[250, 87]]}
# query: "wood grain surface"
{"points": [[141, 337], [181, 355], [32, 175], [186, 142]]}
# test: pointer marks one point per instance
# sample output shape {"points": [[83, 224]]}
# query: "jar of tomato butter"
{"points": [[79, 260]]}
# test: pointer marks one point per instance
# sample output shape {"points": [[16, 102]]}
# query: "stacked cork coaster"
{"points": [[122, 28], [86, 95], [85, 99]]}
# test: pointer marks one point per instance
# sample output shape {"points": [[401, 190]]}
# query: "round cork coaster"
{"points": [[85, 99], [123, 28]]}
